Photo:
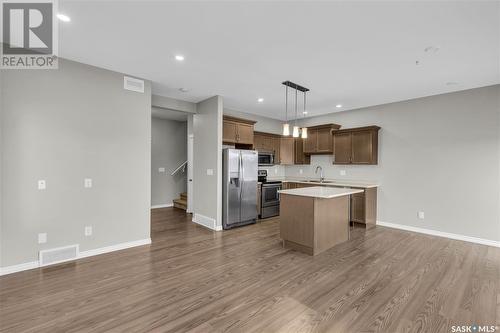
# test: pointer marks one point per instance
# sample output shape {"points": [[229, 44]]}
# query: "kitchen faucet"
{"points": [[321, 176]]}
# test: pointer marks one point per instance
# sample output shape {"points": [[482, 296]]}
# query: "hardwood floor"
{"points": [[242, 280]]}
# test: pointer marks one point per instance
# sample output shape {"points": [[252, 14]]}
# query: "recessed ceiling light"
{"points": [[338, 105], [431, 49], [451, 83], [179, 57], [305, 112], [64, 18], [260, 100], [183, 90]]}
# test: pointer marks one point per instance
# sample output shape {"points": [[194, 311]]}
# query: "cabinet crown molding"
{"points": [[239, 120]]}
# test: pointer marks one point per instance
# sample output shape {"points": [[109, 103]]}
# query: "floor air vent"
{"points": [[60, 254], [129, 83]]}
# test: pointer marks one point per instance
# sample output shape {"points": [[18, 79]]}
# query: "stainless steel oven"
{"points": [[266, 158], [270, 199]]}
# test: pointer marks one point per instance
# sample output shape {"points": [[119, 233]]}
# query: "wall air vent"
{"points": [[58, 255], [129, 83]]}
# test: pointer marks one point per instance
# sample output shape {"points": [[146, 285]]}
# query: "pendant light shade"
{"points": [[304, 133], [304, 129], [286, 129], [296, 131], [286, 126]]}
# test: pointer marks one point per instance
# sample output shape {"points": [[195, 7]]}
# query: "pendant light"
{"points": [[304, 129], [295, 127], [286, 125]]}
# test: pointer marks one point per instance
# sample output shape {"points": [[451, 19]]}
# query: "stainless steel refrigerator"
{"points": [[239, 188]]}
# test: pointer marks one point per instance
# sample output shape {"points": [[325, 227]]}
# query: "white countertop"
{"points": [[327, 182], [322, 192]]}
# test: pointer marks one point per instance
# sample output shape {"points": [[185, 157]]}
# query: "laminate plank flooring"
{"points": [[191, 279]]}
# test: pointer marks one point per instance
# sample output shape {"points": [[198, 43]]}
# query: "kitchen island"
{"points": [[314, 219]]}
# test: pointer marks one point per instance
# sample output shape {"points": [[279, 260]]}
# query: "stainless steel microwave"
{"points": [[266, 158]]}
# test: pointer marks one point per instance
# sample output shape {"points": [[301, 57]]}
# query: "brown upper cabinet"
{"points": [[268, 142], [287, 146], [238, 131], [356, 145], [287, 150], [299, 156], [319, 139]]}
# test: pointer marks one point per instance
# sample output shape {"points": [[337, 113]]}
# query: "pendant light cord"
{"points": [[286, 104], [295, 106]]}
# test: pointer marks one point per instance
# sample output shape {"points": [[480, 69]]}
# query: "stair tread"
{"points": [[180, 201]]}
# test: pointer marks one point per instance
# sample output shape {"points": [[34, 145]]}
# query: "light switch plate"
{"points": [[343, 172], [210, 172], [301, 171], [421, 215], [87, 183], [88, 230], [161, 169], [42, 238], [42, 185], [275, 171]]}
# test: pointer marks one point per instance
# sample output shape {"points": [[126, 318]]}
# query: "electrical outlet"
{"points": [[210, 172], [421, 215], [161, 169], [275, 171], [88, 230], [42, 238], [301, 171], [87, 183], [343, 172], [42, 185]]}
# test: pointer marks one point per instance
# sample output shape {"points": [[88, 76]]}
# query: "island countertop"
{"points": [[326, 182], [321, 192]]}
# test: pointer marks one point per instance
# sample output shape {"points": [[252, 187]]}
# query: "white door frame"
{"points": [[190, 180]]}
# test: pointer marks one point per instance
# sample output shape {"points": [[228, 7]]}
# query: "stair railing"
{"points": [[182, 166]]}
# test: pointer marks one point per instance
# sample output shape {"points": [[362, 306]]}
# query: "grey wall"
{"points": [[207, 154], [168, 150], [439, 154], [63, 126], [263, 124]]}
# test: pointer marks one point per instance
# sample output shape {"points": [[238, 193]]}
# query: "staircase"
{"points": [[181, 203]]}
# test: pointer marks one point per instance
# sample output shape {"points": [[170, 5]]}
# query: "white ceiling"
{"points": [[353, 53]]}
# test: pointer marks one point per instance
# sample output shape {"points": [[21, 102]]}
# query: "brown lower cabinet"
{"points": [[259, 197], [363, 205]]}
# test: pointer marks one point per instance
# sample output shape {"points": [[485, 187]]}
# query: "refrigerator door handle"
{"points": [[242, 179]]}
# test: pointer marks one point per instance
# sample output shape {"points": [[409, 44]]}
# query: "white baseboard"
{"points": [[440, 234], [112, 248], [162, 206], [206, 221], [18, 268], [89, 253]]}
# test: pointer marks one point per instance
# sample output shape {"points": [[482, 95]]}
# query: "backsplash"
{"points": [[276, 171], [331, 171]]}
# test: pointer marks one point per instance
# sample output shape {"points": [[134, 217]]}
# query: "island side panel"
{"points": [[297, 222], [371, 206], [331, 224]]}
